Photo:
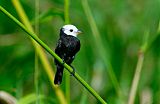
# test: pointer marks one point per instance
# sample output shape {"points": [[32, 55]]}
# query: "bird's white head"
{"points": [[71, 30]]}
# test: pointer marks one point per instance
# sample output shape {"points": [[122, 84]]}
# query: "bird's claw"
{"points": [[74, 70], [63, 62]]}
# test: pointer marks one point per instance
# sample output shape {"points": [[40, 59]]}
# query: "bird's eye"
{"points": [[71, 30]]}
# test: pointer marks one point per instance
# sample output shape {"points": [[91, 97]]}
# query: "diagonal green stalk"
{"points": [[67, 78], [40, 42], [42, 56], [102, 52]]}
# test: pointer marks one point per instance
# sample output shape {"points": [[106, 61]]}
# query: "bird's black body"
{"points": [[66, 48]]}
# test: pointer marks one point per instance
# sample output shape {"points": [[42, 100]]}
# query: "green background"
{"points": [[122, 26]]}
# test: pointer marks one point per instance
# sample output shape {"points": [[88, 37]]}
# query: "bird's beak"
{"points": [[79, 32]]}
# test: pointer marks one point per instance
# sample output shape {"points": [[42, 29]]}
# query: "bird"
{"points": [[67, 46]]}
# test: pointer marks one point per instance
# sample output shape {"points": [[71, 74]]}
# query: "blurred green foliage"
{"points": [[121, 23]]}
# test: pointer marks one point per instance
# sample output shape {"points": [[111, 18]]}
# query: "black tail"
{"points": [[59, 75]]}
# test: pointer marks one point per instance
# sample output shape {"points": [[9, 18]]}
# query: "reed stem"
{"points": [[67, 78], [40, 42], [47, 67]]}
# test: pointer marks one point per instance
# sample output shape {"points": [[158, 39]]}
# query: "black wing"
{"points": [[67, 47], [59, 73], [60, 48], [73, 46]]}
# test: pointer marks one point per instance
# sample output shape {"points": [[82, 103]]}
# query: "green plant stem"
{"points": [[154, 38], [33, 36], [102, 52], [43, 58], [67, 78], [145, 46], [136, 78], [66, 11], [36, 73], [138, 69]]}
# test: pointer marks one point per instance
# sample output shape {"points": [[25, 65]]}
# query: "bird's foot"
{"points": [[63, 62], [74, 70]]}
